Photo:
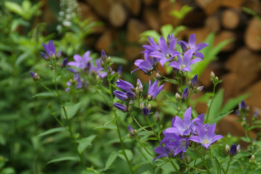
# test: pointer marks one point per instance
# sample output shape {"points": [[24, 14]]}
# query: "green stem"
{"points": [[211, 102], [159, 139], [175, 167], [145, 148], [140, 125], [118, 130], [203, 160], [228, 164]]}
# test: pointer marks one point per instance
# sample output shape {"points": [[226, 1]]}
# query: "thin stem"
{"points": [[141, 126], [211, 103], [203, 160], [118, 130], [228, 164], [47, 88], [175, 167], [159, 139], [145, 148]]}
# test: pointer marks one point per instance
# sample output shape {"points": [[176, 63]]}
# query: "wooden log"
{"points": [[201, 33], [209, 6], [255, 98], [213, 23], [151, 18], [253, 34], [232, 3], [165, 7], [254, 5], [86, 13], [101, 7], [149, 2], [230, 19], [104, 42], [134, 6], [134, 29], [224, 35], [117, 15]]}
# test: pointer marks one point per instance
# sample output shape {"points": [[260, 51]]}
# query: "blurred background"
{"points": [[121, 27]]}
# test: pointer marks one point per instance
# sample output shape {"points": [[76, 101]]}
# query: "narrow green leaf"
{"points": [[219, 117], [14, 7], [107, 127], [70, 158], [216, 105], [118, 60], [246, 139], [171, 81], [111, 159], [50, 131], [216, 166], [150, 33], [45, 94], [232, 103], [85, 142], [128, 153], [71, 110]]}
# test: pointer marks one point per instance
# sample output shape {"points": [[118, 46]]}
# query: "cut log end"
{"points": [[117, 15], [230, 19]]}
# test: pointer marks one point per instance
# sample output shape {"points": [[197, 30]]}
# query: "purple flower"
{"points": [[119, 70], [164, 152], [194, 81], [166, 52], [145, 111], [154, 90], [206, 137], [124, 85], [152, 47], [242, 105], [139, 85], [81, 62], [255, 114], [130, 129], [72, 70], [182, 127], [170, 38], [103, 55], [185, 93], [34, 75], [146, 65], [121, 107], [131, 95], [180, 144], [184, 63], [50, 50], [98, 69], [233, 150], [77, 80], [200, 122], [64, 63], [120, 95], [192, 45]]}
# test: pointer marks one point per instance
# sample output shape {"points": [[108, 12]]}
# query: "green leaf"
{"points": [[150, 33], [216, 105], [14, 7], [171, 81], [85, 142], [249, 11], [69, 158], [166, 30], [118, 60], [216, 166], [107, 127], [182, 13], [168, 166], [45, 94], [246, 139], [26, 5], [241, 155], [232, 103], [50, 131], [140, 164], [128, 153], [219, 117], [111, 159], [178, 29], [111, 77], [71, 110]]}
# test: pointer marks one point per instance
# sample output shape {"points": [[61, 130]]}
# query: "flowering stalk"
{"points": [[118, 128]]}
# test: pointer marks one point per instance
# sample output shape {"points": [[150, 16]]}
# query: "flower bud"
{"points": [[108, 60], [34, 75], [212, 76], [252, 159], [194, 81], [149, 97], [141, 105], [145, 111], [158, 76], [233, 150], [149, 106], [64, 63], [238, 148], [178, 96], [216, 78], [227, 148], [185, 93], [156, 117], [98, 78], [200, 88], [103, 55]]}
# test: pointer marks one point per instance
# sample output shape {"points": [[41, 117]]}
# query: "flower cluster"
{"points": [[178, 137], [165, 51], [131, 93]]}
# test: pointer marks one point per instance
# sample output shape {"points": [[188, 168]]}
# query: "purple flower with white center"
{"points": [[121, 107], [166, 52], [50, 50], [164, 152], [206, 137], [192, 45], [81, 62], [146, 65], [194, 81], [145, 111], [64, 63], [182, 127], [34, 75], [124, 85], [154, 90], [185, 93], [120, 95], [200, 122], [152, 47], [98, 69], [184, 63], [180, 144]]}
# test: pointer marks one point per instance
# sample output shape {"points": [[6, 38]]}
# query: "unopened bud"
{"points": [[129, 108], [64, 63], [149, 97], [149, 106], [216, 78], [252, 159], [200, 88], [178, 96], [156, 117], [212, 75], [227, 148], [108, 60], [178, 108], [158, 76], [141, 105]]}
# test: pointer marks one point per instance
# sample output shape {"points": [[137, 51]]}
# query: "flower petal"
{"points": [[160, 150], [187, 57], [157, 54], [195, 139], [199, 54], [211, 131], [163, 45], [192, 40], [200, 46], [187, 116], [77, 58], [160, 156], [51, 47], [216, 137], [163, 61], [194, 61]]}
